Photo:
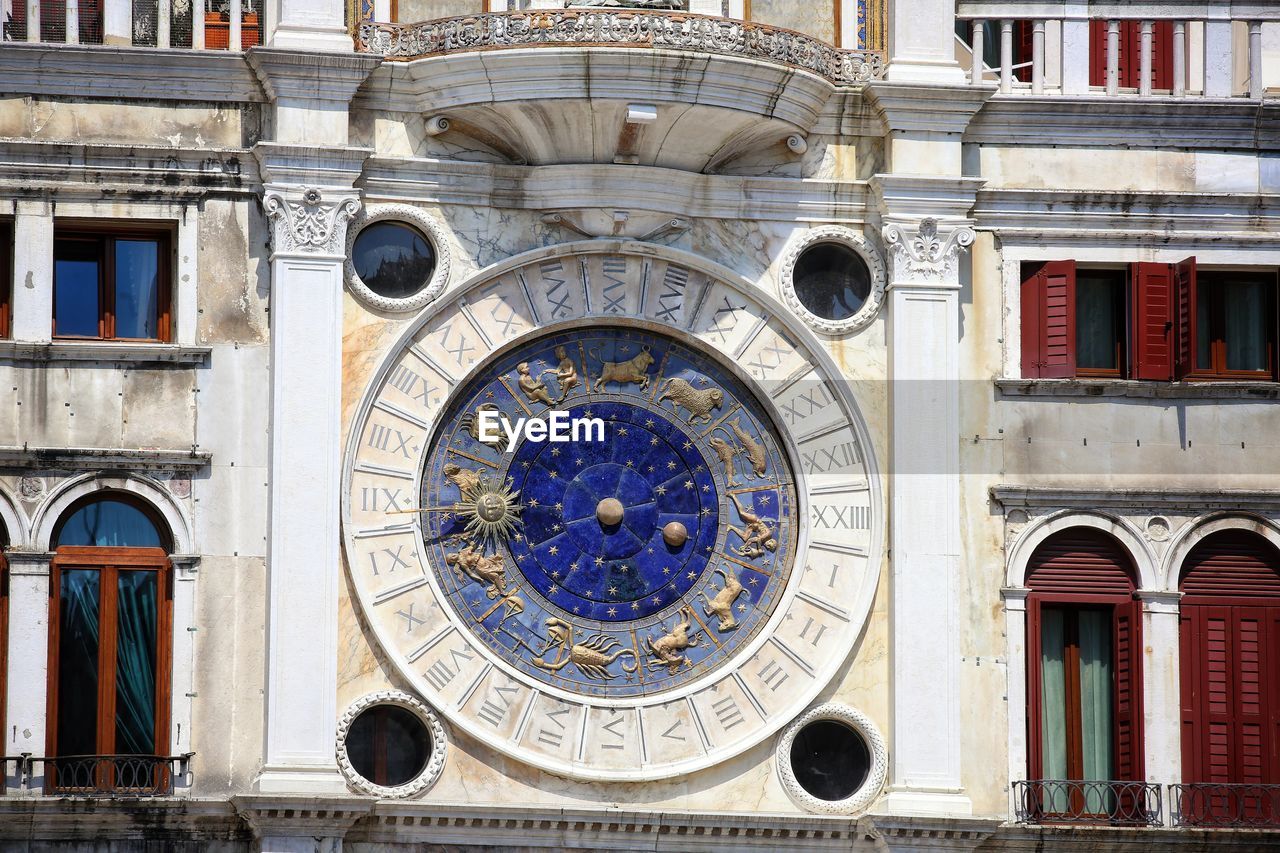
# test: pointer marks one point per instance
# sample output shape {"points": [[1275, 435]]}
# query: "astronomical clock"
{"points": [[666, 588]]}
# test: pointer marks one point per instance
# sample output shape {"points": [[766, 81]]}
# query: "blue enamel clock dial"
{"points": [[633, 559]]}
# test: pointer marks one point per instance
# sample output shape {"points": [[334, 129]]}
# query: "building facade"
{"points": [[932, 349]]}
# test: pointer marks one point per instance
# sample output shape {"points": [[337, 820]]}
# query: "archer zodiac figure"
{"points": [[755, 533], [668, 650], [592, 656], [566, 373], [533, 388], [722, 605]]}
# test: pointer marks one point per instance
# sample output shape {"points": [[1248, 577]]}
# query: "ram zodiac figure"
{"points": [[634, 369], [698, 403]]}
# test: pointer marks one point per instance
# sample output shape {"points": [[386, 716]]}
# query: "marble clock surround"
{"points": [[714, 717]]}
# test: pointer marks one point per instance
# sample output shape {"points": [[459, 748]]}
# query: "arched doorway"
{"points": [[1084, 708], [109, 647], [1230, 651]]}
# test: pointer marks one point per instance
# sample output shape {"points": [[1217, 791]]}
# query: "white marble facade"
{"points": [[714, 168]]}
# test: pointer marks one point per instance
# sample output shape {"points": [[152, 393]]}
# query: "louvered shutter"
{"points": [[1080, 561], [1127, 632], [1161, 55], [1184, 288], [1022, 49], [1049, 321], [1152, 286], [1097, 53], [1129, 65]]}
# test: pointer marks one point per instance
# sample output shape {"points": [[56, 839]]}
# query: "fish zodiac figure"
{"points": [[722, 605], [668, 649], [592, 656]]}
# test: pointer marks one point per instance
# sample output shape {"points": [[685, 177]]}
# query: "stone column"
{"points": [[26, 709], [32, 297], [1161, 688], [308, 247], [924, 400], [922, 42], [310, 25]]}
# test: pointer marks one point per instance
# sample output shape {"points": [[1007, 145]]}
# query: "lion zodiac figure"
{"points": [[722, 605], [698, 403]]}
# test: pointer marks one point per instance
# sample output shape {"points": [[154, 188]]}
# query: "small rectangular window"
{"points": [[1235, 325], [111, 285]]}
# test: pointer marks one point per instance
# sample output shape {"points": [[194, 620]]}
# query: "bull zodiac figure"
{"points": [[634, 369], [698, 403], [592, 656], [668, 649], [722, 605]]}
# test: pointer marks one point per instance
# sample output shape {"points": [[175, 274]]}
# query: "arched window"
{"points": [[109, 647], [1084, 707], [1230, 660]]}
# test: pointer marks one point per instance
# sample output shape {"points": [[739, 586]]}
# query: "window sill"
{"points": [[104, 351], [28, 458], [1205, 390]]}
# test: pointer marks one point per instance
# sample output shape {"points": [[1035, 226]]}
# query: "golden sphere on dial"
{"points": [[675, 534], [609, 512]]}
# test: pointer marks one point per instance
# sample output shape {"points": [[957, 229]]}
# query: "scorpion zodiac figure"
{"points": [[668, 650], [591, 656], [722, 605], [756, 534]]}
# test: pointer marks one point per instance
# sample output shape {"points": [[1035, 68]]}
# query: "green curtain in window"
{"points": [[1244, 306], [1053, 697], [1095, 693], [136, 663]]}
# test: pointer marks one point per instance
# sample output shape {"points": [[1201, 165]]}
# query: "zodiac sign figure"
{"points": [[699, 403], [756, 535], [591, 656], [634, 369], [725, 451], [471, 423], [754, 450], [566, 373], [470, 563], [533, 388], [668, 649], [467, 481], [722, 605]]}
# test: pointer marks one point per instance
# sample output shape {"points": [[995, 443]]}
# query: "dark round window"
{"points": [[388, 745], [830, 760], [831, 280], [393, 260]]}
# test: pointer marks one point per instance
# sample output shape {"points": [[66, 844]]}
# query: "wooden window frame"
{"points": [[1121, 370], [109, 562], [106, 235], [6, 279], [1217, 371]]}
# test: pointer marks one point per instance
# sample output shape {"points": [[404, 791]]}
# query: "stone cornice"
{"points": [[308, 165], [1256, 390], [300, 816], [910, 106], [72, 170], [1126, 122], [913, 196], [312, 75], [128, 73], [1196, 500], [668, 191], [27, 458]]}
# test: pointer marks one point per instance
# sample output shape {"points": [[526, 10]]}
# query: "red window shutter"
{"points": [[1127, 626], [1161, 55], [1184, 283], [1189, 645], [1035, 752], [1049, 321], [1152, 320], [1022, 49], [1097, 53]]}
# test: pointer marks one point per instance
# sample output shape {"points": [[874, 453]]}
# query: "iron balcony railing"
{"points": [[101, 775], [1206, 804], [1108, 803], [632, 28]]}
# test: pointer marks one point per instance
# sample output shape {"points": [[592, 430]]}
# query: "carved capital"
{"points": [[309, 221], [926, 256]]}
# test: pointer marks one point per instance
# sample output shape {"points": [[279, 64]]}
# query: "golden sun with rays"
{"points": [[491, 510]]}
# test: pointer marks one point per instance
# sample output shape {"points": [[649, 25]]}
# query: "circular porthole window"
{"points": [[390, 745], [834, 279], [832, 759], [396, 257]]}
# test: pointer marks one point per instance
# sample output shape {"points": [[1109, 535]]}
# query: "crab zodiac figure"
{"points": [[592, 656], [722, 605], [471, 423], [533, 388], [668, 649], [756, 534], [566, 373]]}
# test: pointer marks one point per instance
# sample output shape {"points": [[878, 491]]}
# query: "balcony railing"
{"points": [[101, 775], [631, 28], [1220, 57], [220, 25], [1049, 801], [1222, 805]]}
